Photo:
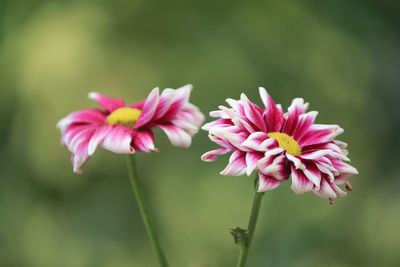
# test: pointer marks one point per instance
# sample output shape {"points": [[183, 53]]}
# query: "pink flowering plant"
{"points": [[278, 145], [125, 129]]}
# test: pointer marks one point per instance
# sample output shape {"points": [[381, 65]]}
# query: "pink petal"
{"points": [[76, 138], [316, 154], [232, 136], [273, 113], [318, 134], [189, 119], [237, 106], [296, 161], [325, 190], [149, 108], [297, 108], [236, 166], [260, 141], [254, 113], [94, 116], [251, 161], [98, 137], [80, 157], [304, 122], [274, 166], [181, 98], [300, 183], [313, 174], [267, 183], [212, 155], [118, 140], [221, 123], [167, 97], [144, 141], [108, 103], [138, 105], [176, 135], [243, 125]]}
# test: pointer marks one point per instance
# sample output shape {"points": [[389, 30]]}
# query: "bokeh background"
{"points": [[341, 56]]}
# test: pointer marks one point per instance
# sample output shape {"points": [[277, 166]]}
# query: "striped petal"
{"points": [[108, 103]]}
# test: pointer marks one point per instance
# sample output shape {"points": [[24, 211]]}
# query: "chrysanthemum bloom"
{"points": [[278, 145], [124, 129]]}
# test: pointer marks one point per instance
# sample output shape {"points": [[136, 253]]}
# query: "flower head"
{"points": [[278, 144], [124, 129]]}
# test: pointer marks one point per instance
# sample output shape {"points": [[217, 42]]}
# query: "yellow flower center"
{"points": [[124, 116], [286, 142]]}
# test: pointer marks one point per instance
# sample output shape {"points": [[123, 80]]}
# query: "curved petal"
{"points": [[297, 108], [149, 108], [118, 140], [313, 174], [212, 155], [76, 138], [144, 141], [300, 183], [108, 103], [236, 165], [176, 135], [325, 190], [93, 116], [267, 183], [253, 113], [260, 141], [251, 161], [274, 166], [273, 113], [180, 99], [318, 134], [98, 137]]}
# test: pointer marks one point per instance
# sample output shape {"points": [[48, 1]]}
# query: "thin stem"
{"points": [[144, 211], [245, 245]]}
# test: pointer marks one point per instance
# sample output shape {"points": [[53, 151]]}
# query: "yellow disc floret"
{"points": [[286, 142], [124, 116]]}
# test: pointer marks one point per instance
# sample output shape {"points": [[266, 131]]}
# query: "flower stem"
{"points": [[144, 211], [245, 243]]}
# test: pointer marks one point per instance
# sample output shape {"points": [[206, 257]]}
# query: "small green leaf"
{"points": [[240, 236]]}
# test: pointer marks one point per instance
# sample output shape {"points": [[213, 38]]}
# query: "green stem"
{"points": [[144, 211], [245, 244]]}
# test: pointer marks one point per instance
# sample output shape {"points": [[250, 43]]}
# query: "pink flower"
{"points": [[124, 129], [278, 144]]}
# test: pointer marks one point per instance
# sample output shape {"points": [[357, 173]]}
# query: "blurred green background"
{"points": [[341, 56]]}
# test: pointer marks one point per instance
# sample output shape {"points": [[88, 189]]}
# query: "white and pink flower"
{"points": [[278, 144], [124, 129]]}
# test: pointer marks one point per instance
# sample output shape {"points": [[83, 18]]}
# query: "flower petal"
{"points": [[76, 138], [273, 113], [236, 165], [313, 174], [108, 103], [267, 183], [273, 166], [251, 161], [212, 155], [144, 140], [98, 137], [297, 108], [260, 141], [93, 116], [118, 140], [149, 108], [300, 183], [253, 113], [181, 98], [176, 135]]}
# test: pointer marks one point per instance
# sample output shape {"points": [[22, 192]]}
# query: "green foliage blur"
{"points": [[341, 56]]}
